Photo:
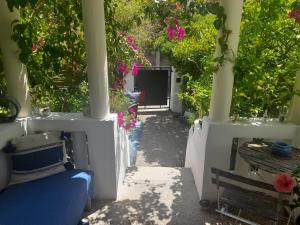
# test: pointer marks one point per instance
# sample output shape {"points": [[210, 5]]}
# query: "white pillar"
{"points": [[175, 103], [15, 72], [80, 150], [157, 58], [223, 79], [94, 29], [294, 111]]}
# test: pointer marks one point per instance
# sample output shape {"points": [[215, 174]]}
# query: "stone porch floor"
{"points": [[155, 196]]}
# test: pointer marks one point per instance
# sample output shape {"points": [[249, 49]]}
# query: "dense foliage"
{"points": [[267, 59], [51, 38]]}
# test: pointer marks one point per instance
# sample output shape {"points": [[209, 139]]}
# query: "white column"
{"points": [[157, 58], [94, 27], [223, 79], [15, 72], [80, 150], [294, 111], [175, 103]]}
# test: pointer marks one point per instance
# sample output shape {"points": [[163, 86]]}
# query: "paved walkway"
{"points": [[155, 196], [163, 140], [158, 190]]}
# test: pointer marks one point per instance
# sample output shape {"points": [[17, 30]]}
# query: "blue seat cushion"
{"points": [[55, 200]]}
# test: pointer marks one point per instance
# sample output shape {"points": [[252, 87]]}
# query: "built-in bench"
{"points": [[59, 199], [231, 191]]}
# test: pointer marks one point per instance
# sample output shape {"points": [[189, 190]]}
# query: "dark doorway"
{"points": [[155, 83]]}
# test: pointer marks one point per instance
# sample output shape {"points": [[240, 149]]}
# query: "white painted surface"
{"points": [[108, 159], [129, 82], [122, 154], [15, 72], [223, 79], [80, 150], [95, 39], [175, 103], [294, 111], [157, 58], [210, 146], [7, 132]]}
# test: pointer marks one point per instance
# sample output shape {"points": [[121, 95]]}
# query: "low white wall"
{"points": [[108, 146], [210, 146]]}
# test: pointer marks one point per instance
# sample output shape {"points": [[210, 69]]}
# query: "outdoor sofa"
{"points": [[56, 199]]}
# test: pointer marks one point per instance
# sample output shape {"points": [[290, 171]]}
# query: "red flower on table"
{"points": [[284, 183]]}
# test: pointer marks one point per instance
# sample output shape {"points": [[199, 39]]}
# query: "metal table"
{"points": [[259, 155]]}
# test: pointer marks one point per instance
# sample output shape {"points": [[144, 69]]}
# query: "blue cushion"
{"points": [[38, 159], [55, 200]]}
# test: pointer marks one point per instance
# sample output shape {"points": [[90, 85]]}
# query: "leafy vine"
{"points": [[220, 24]]}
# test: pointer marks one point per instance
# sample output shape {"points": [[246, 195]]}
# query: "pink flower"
{"points": [[135, 69], [171, 32], [34, 47], [284, 183], [129, 39], [120, 117], [181, 33], [122, 67], [132, 110], [134, 47]]}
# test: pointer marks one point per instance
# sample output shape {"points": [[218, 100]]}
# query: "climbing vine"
{"points": [[51, 41]]}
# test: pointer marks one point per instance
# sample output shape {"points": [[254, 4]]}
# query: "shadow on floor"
{"points": [[154, 196], [163, 140]]}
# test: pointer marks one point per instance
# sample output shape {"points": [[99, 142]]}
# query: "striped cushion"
{"points": [[36, 156], [37, 159]]}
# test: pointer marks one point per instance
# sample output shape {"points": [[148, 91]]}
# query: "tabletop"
{"points": [[259, 155]]}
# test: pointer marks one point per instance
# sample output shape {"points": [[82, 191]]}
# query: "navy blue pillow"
{"points": [[37, 159]]}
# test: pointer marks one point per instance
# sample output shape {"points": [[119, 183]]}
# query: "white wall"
{"points": [[107, 147], [175, 103], [210, 146], [107, 144], [129, 85]]}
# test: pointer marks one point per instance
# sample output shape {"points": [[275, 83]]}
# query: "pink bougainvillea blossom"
{"points": [[122, 67], [38, 45], [132, 110], [295, 14], [131, 42], [171, 32], [135, 69], [34, 48], [284, 183], [129, 39], [181, 33], [175, 31], [134, 47], [120, 116]]}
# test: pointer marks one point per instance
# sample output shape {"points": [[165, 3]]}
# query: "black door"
{"points": [[155, 83]]}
